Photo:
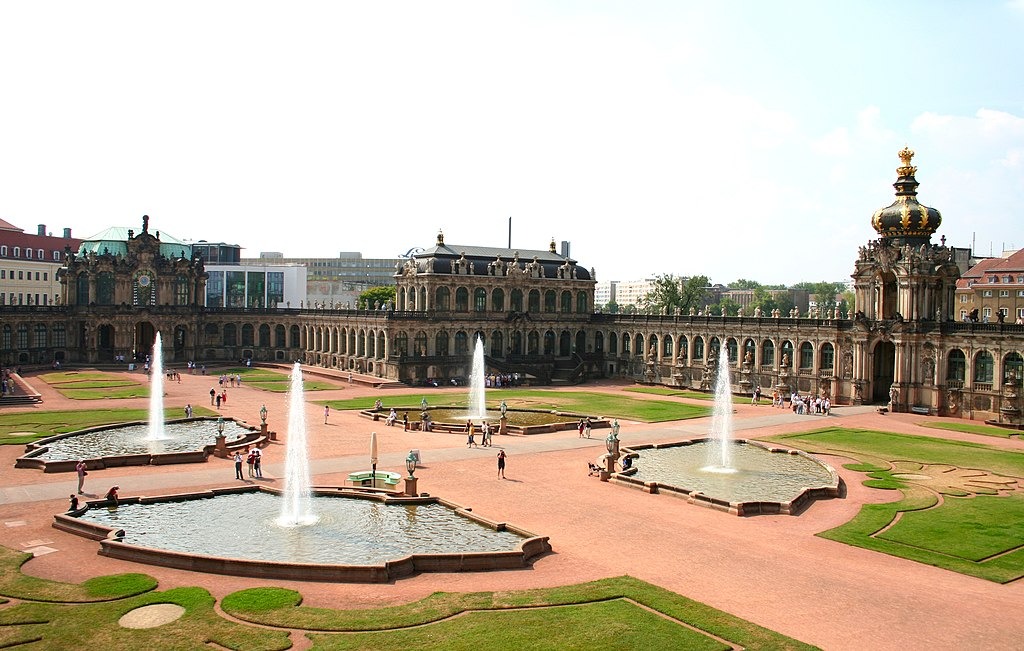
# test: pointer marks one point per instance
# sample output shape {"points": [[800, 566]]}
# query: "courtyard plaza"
{"points": [[770, 570]]}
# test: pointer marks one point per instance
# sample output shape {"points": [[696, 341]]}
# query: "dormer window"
{"points": [[3, 250], [28, 253], [40, 254], [17, 252]]}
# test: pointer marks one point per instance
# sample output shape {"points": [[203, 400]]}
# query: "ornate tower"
{"points": [[905, 286]]}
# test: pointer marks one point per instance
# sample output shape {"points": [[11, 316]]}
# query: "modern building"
{"points": [[29, 264], [269, 284], [335, 283]]}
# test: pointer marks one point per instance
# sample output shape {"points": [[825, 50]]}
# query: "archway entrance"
{"points": [[105, 343], [145, 335], [884, 371], [180, 334]]}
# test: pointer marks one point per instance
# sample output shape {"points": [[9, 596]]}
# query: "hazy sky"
{"points": [[731, 139]]}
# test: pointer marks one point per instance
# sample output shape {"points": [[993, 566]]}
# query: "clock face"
{"points": [[144, 281]]}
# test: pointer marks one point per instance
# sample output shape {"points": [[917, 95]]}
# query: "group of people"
{"points": [[254, 459], [229, 380], [500, 380], [584, 427], [192, 367], [218, 399], [7, 381], [485, 434], [805, 404]]}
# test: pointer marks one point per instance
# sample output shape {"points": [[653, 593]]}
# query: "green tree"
{"points": [[824, 293], [743, 283], [694, 293], [376, 295], [664, 294]]}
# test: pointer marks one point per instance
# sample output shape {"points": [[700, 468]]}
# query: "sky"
{"points": [[725, 138]]}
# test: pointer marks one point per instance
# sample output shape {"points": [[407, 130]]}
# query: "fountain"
{"points": [[296, 508], [721, 419], [477, 407], [157, 432], [738, 476]]}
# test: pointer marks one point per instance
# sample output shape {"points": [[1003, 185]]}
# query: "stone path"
{"points": [[771, 570]]}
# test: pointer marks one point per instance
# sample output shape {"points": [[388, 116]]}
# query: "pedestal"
{"points": [[410, 486], [503, 425], [220, 449]]}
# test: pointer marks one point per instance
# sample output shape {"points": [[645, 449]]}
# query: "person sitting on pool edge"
{"points": [[111, 495]]}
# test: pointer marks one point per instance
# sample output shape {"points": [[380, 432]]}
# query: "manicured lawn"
{"points": [[959, 509], [527, 619], [971, 428], [621, 613], [693, 395], [96, 385], [269, 380], [582, 402], [47, 423]]}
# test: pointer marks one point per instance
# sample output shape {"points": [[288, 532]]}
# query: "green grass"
{"points": [[693, 395], [41, 424], [269, 380], [971, 428], [95, 385], [582, 402], [623, 612], [589, 615], [973, 529]]}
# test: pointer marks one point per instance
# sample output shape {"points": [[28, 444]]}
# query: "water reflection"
{"points": [[133, 439]]}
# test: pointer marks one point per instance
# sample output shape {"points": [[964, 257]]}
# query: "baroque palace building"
{"points": [[534, 312]]}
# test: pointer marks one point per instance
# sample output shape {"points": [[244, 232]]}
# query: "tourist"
{"points": [[224, 397], [826, 405], [80, 469], [327, 412], [485, 434], [756, 399], [73, 502], [257, 465], [405, 421], [580, 427], [218, 400], [188, 410], [238, 466], [213, 392], [350, 377], [586, 427], [111, 495], [501, 464], [470, 442], [250, 460], [627, 462], [392, 417]]}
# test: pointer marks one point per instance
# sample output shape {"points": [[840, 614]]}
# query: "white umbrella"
{"points": [[373, 457]]}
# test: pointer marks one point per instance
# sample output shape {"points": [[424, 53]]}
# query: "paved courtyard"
{"points": [[771, 570]]}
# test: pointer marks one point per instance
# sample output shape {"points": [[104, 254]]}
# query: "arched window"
{"points": [[5, 337], [549, 342], [21, 338], [598, 342], [39, 338], [517, 300], [442, 299], [295, 337], [1013, 363], [626, 341], [566, 306], [714, 345], [733, 350], [787, 351], [420, 344], [682, 347], [517, 342], [401, 347], [181, 290], [983, 364], [698, 348], [581, 303], [533, 343], [497, 344], [828, 357], [806, 355], [549, 300], [666, 346], [279, 341], [81, 289], [461, 343], [638, 345], [264, 336], [498, 300], [480, 300], [247, 334], [565, 343], [534, 301], [441, 343], [230, 334], [462, 300], [105, 288]]}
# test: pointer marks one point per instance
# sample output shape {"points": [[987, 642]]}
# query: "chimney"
{"points": [[41, 229], [67, 233]]}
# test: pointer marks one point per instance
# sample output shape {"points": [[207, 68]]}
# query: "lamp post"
{"points": [[612, 445], [220, 449], [410, 481]]}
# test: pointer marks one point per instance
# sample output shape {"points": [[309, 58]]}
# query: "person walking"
{"points": [[217, 398], [80, 469], [501, 463], [188, 410], [257, 466], [579, 427], [250, 460], [586, 427], [213, 392], [238, 466], [327, 412]]}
